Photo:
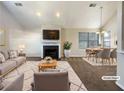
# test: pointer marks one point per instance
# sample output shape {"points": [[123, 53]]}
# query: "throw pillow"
{"points": [[13, 54], [2, 58]]}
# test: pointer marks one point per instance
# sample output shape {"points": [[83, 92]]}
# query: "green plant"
{"points": [[67, 45]]}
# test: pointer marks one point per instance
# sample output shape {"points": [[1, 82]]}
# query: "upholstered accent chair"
{"points": [[51, 81], [15, 85], [104, 54]]}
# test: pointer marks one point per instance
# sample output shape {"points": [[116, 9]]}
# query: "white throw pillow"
{"points": [[2, 58], [13, 54]]}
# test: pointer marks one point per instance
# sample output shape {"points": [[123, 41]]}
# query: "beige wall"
{"points": [[72, 35]]}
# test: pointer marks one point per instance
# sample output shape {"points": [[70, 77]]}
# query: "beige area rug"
{"points": [[30, 67], [99, 63]]}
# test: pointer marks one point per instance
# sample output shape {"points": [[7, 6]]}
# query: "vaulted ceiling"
{"points": [[73, 14]]}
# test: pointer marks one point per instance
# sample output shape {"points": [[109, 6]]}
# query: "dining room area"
{"points": [[103, 51], [101, 56]]}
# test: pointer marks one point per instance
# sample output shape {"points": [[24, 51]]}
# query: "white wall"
{"points": [[112, 26], [120, 54], [72, 35], [31, 39], [16, 35], [8, 24], [115, 26]]}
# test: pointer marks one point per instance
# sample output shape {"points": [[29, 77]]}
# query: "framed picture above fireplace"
{"points": [[51, 34]]}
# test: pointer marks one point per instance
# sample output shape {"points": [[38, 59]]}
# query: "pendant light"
{"points": [[101, 19], [101, 30]]}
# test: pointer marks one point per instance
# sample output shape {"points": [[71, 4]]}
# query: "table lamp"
{"points": [[21, 48]]}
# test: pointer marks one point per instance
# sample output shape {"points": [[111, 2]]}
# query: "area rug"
{"points": [[99, 63], [30, 67]]}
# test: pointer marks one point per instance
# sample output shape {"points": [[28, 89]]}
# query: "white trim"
{"points": [[121, 86], [121, 52], [51, 42]]}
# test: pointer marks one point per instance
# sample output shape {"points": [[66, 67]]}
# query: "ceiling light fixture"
{"points": [[101, 30], [97, 32], [38, 14], [101, 17], [58, 14]]}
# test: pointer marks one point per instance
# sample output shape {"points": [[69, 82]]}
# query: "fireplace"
{"points": [[52, 51]]}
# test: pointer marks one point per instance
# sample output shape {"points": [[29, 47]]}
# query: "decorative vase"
{"points": [[66, 53], [48, 59]]}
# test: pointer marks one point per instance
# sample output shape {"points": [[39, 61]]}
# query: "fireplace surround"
{"points": [[51, 47]]}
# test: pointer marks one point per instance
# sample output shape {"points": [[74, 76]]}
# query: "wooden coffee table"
{"points": [[44, 65]]}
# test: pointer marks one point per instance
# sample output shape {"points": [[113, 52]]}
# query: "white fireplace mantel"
{"points": [[51, 42]]}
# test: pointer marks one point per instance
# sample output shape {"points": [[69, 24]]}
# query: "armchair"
{"points": [[51, 81]]}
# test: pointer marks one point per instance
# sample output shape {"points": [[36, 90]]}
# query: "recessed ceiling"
{"points": [[72, 14]]}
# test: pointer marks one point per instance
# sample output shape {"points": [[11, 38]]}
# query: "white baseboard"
{"points": [[121, 86]]}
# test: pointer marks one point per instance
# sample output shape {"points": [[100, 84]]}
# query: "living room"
{"points": [[28, 27]]}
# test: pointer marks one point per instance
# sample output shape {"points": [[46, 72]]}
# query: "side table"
{"points": [[22, 54]]}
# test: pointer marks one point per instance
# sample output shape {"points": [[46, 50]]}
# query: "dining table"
{"points": [[94, 50]]}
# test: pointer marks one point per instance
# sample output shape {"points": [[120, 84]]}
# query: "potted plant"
{"points": [[67, 46]]}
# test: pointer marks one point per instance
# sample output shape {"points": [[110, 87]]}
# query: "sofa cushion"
{"points": [[2, 57], [1, 85], [15, 85], [19, 60], [13, 54], [6, 66], [6, 53]]}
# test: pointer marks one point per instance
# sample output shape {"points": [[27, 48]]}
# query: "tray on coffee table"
{"points": [[45, 65]]}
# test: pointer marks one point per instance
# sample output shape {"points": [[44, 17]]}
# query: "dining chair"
{"points": [[90, 54], [113, 55], [104, 54]]}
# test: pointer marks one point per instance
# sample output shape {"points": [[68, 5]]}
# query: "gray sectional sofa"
{"points": [[10, 64]]}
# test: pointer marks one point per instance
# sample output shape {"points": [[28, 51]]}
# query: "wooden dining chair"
{"points": [[89, 54]]}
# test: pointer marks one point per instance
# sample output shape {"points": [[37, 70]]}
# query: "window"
{"points": [[107, 39], [88, 39]]}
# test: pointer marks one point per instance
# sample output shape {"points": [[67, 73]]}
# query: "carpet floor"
{"points": [[30, 67], [91, 75]]}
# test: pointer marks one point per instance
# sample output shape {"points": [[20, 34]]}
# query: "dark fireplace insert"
{"points": [[52, 51]]}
